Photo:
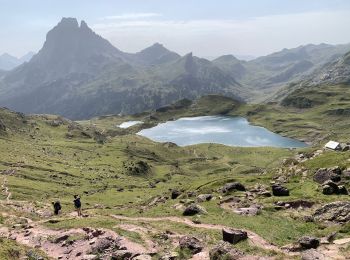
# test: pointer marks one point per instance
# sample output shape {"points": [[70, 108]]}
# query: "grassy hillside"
{"points": [[47, 158]]}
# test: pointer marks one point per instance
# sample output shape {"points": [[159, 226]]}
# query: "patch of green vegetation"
{"points": [[48, 165], [10, 250]]}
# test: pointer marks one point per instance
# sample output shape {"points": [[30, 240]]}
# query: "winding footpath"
{"points": [[254, 238]]}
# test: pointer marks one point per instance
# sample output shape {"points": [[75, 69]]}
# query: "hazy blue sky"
{"points": [[206, 27]]}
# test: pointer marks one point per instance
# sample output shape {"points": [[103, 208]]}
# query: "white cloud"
{"points": [[213, 37], [131, 16]]}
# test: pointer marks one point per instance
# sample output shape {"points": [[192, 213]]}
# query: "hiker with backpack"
{"points": [[56, 207], [77, 204]]}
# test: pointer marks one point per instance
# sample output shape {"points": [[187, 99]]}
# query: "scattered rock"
{"points": [[248, 211], [191, 243], [324, 174], [279, 190], [330, 238], [175, 194], [34, 256], [232, 187], [193, 209], [101, 245], [61, 239], [121, 255], [295, 204], [307, 242], [338, 212], [204, 197], [329, 188], [312, 254], [233, 236], [260, 190], [342, 190], [224, 250], [170, 256]]}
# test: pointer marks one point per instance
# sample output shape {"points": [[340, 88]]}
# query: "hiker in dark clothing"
{"points": [[77, 204], [56, 207]]}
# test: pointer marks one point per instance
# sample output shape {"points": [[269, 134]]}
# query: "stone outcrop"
{"points": [[193, 209], [338, 212], [307, 242], [191, 243], [224, 250], [234, 186], [279, 190], [233, 236]]}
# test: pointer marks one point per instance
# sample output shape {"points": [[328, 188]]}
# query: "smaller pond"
{"points": [[233, 131], [129, 123]]}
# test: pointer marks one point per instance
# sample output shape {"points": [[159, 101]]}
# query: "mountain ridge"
{"points": [[78, 74]]}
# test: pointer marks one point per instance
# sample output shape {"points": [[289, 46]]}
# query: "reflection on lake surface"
{"points": [[234, 131]]}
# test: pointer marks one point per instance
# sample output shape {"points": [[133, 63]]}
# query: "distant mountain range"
{"points": [[9, 62], [78, 74]]}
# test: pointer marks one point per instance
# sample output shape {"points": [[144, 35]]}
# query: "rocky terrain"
{"points": [[147, 200]]}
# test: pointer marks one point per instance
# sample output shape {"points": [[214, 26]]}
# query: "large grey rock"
{"points": [[191, 243], [233, 236], [335, 212], [279, 190], [232, 187], [204, 197], [224, 250], [175, 194], [121, 255], [324, 174], [193, 209], [307, 242], [101, 245]]}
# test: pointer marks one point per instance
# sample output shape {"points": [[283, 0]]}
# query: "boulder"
{"points": [[193, 209], [233, 236], [101, 245], [346, 174], [335, 170], [248, 211], [324, 174], [329, 188], [175, 194], [61, 238], [121, 255], [224, 250], [279, 190], [307, 242], [342, 190], [191, 243], [232, 187], [345, 148], [321, 175], [312, 254], [204, 197], [338, 212]]}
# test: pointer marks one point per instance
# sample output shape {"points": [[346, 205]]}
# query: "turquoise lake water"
{"points": [[233, 131]]}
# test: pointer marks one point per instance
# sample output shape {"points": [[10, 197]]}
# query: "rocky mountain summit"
{"points": [[78, 74]]}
